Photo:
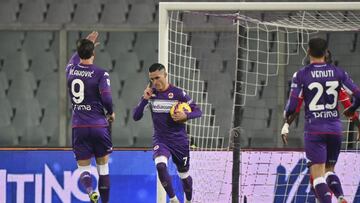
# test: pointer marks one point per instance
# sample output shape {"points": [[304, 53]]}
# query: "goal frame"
{"points": [[165, 7]]}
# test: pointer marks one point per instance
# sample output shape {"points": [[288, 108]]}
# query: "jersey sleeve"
{"points": [[105, 92], [138, 111], [352, 89], [295, 95], [75, 59], [195, 110]]}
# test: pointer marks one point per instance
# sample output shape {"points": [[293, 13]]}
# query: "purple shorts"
{"points": [[88, 142], [179, 154], [324, 148]]}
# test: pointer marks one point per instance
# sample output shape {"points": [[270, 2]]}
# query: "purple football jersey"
{"points": [[166, 130], [319, 84], [90, 93]]}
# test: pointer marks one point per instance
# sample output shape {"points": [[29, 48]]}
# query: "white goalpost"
{"points": [[236, 63]]}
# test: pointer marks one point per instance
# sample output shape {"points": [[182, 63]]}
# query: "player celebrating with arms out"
{"points": [[90, 93], [170, 137], [319, 84]]}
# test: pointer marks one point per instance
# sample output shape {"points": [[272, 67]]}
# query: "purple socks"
{"points": [[165, 179]]}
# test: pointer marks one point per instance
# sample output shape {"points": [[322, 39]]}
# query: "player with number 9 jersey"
{"points": [[90, 96], [90, 93]]}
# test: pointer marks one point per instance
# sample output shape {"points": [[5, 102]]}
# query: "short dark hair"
{"points": [[85, 48], [156, 66], [317, 47]]}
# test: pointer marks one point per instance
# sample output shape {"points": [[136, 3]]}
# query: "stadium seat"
{"points": [[32, 12], [50, 123], [121, 112], [27, 115], [103, 60], [43, 64], [59, 12], [146, 42], [133, 88], [147, 61], [114, 13], [48, 91], [36, 42], [10, 42], [86, 14], [119, 42], [194, 20], [7, 108], [5, 112], [202, 43], [95, 3], [226, 45], [121, 136], [8, 136], [72, 38], [127, 64], [115, 84], [8, 12], [125, 3], [33, 136], [141, 14], [15, 64], [22, 88], [142, 130], [4, 83]]}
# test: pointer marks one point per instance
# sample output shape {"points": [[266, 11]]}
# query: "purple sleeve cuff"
{"points": [[195, 112]]}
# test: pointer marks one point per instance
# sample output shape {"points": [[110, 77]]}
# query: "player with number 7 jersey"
{"points": [[92, 111], [319, 83]]}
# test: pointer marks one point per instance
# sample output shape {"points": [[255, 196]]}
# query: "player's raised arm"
{"points": [[138, 111], [75, 59]]}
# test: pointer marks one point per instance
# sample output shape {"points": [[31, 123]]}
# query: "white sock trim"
{"points": [[103, 170], [329, 173], [174, 198], [184, 175], [83, 169], [319, 180], [161, 159]]}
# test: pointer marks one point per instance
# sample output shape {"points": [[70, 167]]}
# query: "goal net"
{"points": [[236, 63]]}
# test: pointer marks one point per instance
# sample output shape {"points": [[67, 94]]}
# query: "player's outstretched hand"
{"points": [[179, 116], [349, 112], [284, 133], [147, 93], [93, 37], [111, 117]]}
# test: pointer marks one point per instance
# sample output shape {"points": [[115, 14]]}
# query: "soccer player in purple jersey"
{"points": [[90, 93], [319, 83], [170, 137]]}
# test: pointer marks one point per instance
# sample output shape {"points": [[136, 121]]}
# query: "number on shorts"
{"points": [[78, 95], [185, 160]]}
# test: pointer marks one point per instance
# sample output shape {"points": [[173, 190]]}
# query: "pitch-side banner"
{"points": [[281, 177]]}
